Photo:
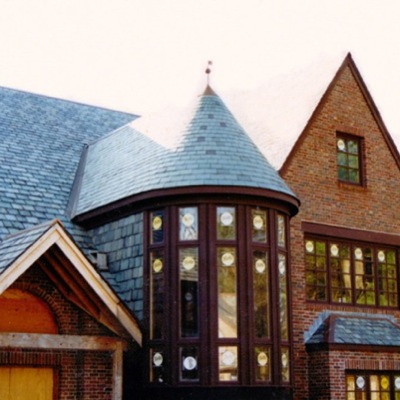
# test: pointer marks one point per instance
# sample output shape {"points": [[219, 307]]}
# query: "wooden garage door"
{"points": [[26, 383]]}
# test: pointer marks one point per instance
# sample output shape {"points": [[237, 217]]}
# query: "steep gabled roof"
{"points": [[349, 63], [276, 114], [211, 150], [41, 141], [49, 246]]}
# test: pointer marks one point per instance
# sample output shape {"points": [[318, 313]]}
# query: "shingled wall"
{"points": [[122, 240]]}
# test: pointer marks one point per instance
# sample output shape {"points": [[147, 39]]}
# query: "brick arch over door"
{"points": [[21, 311]]}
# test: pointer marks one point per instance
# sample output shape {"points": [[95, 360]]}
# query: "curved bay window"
{"points": [[217, 296]]}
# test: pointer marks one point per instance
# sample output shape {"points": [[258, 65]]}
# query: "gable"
{"points": [[53, 250], [311, 168]]}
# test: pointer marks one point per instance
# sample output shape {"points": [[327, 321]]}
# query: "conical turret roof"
{"points": [[212, 149]]}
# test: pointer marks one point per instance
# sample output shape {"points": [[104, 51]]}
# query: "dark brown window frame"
{"points": [[393, 376], [353, 275], [245, 341], [361, 159]]}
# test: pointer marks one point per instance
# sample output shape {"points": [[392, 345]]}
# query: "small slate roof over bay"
{"points": [[355, 329], [41, 142], [212, 149]]}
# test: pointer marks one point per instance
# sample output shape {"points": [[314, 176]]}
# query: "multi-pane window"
{"points": [[373, 386], [349, 159], [352, 273], [217, 296]]}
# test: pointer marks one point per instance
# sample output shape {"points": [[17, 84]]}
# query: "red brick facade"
{"points": [[78, 374], [311, 172]]}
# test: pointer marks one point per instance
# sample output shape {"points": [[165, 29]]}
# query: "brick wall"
{"points": [[312, 175], [79, 374], [122, 240]]}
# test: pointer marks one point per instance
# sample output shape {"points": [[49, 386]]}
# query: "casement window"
{"points": [[349, 159], [373, 386], [217, 296], [340, 271]]}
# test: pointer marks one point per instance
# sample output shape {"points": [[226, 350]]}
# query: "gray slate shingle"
{"points": [[15, 245], [356, 329], [41, 141], [213, 150]]}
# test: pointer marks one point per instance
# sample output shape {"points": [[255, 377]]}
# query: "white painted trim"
{"points": [[60, 342]]}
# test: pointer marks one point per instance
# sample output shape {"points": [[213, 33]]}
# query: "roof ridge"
{"points": [[79, 103]]}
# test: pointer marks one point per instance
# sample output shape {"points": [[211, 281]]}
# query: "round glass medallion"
{"points": [[381, 256], [158, 359], [262, 359], [397, 382], [227, 259], [258, 222], [188, 219], [157, 223], [310, 246], [334, 250], [284, 360], [384, 382], [228, 358], [260, 266], [157, 265], [188, 296], [282, 267], [360, 381], [189, 363], [358, 253], [341, 145], [188, 263], [226, 218]]}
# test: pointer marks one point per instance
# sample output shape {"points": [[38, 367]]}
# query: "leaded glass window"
{"points": [[349, 159], [351, 273]]}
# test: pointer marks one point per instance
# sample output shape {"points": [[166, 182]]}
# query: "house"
{"points": [[246, 248]]}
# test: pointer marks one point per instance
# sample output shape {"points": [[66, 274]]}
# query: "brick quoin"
{"points": [[311, 172]]}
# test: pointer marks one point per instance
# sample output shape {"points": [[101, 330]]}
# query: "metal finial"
{"points": [[208, 71]]}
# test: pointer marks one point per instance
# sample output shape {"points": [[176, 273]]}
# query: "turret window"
{"points": [[218, 296]]}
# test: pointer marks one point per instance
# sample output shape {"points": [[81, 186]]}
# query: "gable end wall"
{"points": [[312, 174]]}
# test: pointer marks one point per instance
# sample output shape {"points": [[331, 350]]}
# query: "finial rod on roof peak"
{"points": [[208, 91], [208, 71]]}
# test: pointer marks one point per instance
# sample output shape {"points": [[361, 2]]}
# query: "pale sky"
{"points": [[139, 55]]}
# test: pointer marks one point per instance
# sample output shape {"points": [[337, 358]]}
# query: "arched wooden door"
{"points": [[23, 312]]}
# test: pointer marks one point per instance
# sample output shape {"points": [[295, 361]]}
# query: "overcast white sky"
{"points": [[137, 55]]}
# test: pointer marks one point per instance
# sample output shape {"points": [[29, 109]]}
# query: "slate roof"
{"points": [[355, 329], [15, 245], [212, 149], [41, 142]]}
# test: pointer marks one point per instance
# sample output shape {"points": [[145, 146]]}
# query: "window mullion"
{"points": [[245, 330], [275, 325]]}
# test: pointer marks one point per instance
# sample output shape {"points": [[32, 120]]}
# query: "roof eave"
{"points": [[57, 235]]}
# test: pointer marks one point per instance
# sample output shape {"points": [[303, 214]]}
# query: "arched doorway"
{"points": [[23, 312]]}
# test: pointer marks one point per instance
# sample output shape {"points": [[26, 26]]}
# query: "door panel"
{"points": [[20, 383]]}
